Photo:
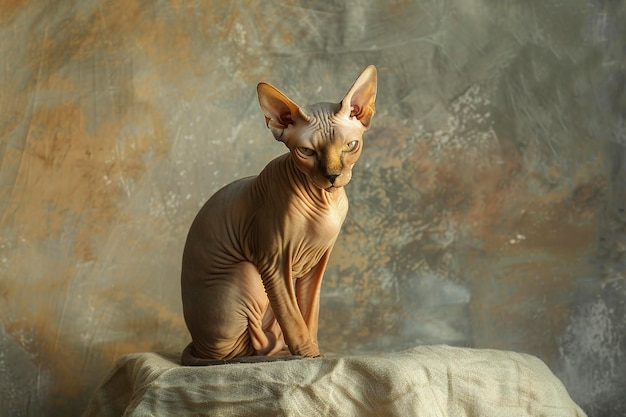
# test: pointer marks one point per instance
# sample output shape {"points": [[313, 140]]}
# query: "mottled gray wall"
{"points": [[487, 210]]}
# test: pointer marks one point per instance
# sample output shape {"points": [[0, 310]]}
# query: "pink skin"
{"points": [[256, 253]]}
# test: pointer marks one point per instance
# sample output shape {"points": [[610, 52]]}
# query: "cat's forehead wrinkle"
{"points": [[322, 110], [321, 115]]}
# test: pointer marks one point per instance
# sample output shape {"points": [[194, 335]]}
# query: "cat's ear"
{"points": [[278, 109], [360, 100]]}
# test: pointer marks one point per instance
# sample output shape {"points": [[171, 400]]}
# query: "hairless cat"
{"points": [[256, 252]]}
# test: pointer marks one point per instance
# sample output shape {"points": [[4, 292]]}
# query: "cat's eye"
{"points": [[352, 146], [306, 151]]}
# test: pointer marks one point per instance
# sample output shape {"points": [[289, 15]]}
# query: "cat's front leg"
{"points": [[280, 291], [308, 295]]}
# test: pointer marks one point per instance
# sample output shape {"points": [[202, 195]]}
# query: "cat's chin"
{"points": [[331, 189]]}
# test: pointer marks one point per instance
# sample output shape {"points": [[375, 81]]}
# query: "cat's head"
{"points": [[325, 139]]}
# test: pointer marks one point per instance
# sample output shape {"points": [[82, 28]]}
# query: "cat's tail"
{"points": [[189, 358]]}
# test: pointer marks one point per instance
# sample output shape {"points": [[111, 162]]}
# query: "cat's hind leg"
{"points": [[228, 316], [265, 333], [267, 336]]}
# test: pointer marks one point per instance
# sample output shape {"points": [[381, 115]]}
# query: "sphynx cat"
{"points": [[256, 252]]}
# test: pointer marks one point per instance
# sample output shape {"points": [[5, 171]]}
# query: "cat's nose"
{"points": [[332, 177]]}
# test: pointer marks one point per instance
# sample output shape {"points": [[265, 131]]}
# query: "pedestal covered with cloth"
{"points": [[424, 381]]}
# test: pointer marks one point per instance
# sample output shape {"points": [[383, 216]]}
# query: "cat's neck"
{"points": [[302, 182], [283, 169]]}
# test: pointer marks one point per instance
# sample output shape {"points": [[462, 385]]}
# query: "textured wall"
{"points": [[488, 208]]}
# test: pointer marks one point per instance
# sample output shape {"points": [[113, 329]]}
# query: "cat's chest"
{"points": [[317, 223], [306, 253], [311, 239]]}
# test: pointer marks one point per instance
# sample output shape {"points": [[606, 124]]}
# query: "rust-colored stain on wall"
{"points": [[487, 208]]}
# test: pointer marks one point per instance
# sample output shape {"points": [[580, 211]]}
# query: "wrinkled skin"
{"points": [[256, 252]]}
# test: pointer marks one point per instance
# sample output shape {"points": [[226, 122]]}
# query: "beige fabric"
{"points": [[424, 381]]}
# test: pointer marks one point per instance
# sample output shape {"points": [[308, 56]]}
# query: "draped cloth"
{"points": [[423, 381]]}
